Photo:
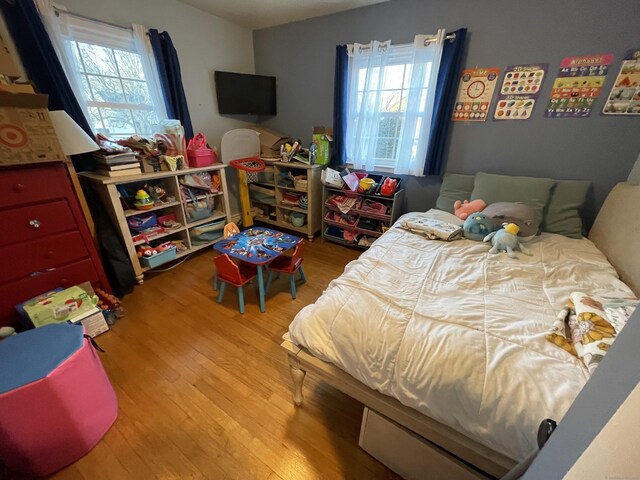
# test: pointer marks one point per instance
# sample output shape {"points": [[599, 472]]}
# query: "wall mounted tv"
{"points": [[244, 94]]}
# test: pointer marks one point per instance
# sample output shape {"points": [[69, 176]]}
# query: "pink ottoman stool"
{"points": [[56, 401]]}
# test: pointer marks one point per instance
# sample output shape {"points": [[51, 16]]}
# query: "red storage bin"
{"points": [[199, 154]]}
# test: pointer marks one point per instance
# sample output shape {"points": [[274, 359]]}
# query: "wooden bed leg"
{"points": [[297, 375]]}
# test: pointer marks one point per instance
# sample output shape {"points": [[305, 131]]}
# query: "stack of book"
{"points": [[117, 164]]}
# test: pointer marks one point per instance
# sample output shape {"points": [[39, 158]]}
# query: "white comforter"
{"points": [[458, 333]]}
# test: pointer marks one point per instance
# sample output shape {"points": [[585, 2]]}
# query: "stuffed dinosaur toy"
{"points": [[506, 240]]}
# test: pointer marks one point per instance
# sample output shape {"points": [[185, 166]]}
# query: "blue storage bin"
{"points": [[159, 259]]}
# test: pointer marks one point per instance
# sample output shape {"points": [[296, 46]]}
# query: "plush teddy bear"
{"points": [[477, 226], [506, 239], [463, 209]]}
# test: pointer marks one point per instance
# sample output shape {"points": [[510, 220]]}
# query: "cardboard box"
{"points": [[7, 65], [26, 132], [270, 141], [321, 138]]}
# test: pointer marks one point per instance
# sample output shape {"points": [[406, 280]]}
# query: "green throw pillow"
{"points": [[492, 188], [455, 186], [562, 214]]}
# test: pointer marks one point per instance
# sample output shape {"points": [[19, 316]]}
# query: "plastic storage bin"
{"points": [[159, 259]]}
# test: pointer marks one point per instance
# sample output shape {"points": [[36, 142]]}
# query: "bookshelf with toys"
{"points": [[357, 216], [166, 215], [288, 195]]}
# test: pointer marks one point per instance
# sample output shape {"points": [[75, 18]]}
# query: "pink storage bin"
{"points": [[199, 154], [56, 401]]}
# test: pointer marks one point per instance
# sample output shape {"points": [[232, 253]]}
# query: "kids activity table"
{"points": [[257, 246]]}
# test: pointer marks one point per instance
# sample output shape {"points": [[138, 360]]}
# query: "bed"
{"points": [[449, 341]]}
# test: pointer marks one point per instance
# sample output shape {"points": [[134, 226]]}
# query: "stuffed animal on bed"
{"points": [[463, 209], [506, 240], [477, 226]]}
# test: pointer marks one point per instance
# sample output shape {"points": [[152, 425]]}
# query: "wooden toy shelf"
{"points": [[267, 194], [170, 181]]}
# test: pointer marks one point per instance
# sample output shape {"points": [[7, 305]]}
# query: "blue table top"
{"points": [[34, 354], [257, 245]]}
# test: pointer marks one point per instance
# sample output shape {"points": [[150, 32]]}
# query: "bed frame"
{"points": [[443, 437]]}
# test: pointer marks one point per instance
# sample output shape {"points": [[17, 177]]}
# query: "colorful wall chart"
{"points": [[519, 91], [577, 86], [624, 98], [474, 94]]}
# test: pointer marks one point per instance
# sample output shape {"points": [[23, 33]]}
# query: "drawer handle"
{"points": [[50, 254], [46, 270], [35, 223], [18, 187]]}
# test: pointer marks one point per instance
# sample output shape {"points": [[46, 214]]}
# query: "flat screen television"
{"points": [[245, 94]]}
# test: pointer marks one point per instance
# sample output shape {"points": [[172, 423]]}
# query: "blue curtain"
{"points": [[171, 79], [340, 86], [40, 60], [446, 88]]}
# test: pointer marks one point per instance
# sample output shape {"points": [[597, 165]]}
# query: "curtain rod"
{"points": [[450, 37], [59, 10]]}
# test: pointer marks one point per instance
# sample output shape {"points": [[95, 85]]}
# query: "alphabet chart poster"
{"points": [[519, 91], [624, 98], [577, 86], [474, 94]]}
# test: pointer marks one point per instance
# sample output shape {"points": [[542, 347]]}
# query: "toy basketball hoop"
{"points": [[251, 166]]}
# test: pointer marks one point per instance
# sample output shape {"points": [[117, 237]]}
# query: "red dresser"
{"points": [[44, 238]]}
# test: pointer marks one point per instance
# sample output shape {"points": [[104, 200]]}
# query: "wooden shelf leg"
{"points": [[297, 375]]}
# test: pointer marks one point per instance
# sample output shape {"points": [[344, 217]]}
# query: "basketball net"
{"points": [[251, 166]]}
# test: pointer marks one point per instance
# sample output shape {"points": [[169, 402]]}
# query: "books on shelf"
{"points": [[105, 159], [120, 173]]}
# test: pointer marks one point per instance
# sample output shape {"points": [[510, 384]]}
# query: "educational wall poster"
{"points": [[519, 92], [624, 98], [577, 86], [474, 94]]}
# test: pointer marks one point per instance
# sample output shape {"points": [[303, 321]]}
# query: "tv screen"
{"points": [[244, 94]]}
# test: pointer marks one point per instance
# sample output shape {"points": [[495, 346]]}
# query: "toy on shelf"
{"points": [[466, 208], [506, 240], [477, 226], [388, 187], [143, 200]]}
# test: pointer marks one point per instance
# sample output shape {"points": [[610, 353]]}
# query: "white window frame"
{"points": [[68, 31]]}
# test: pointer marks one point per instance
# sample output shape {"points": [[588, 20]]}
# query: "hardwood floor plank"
{"points": [[204, 392]]}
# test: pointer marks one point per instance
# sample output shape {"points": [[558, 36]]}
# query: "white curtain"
{"points": [[57, 29], [63, 27], [373, 69], [365, 78], [143, 47]]}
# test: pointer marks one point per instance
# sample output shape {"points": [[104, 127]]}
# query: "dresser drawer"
{"points": [[26, 288], [21, 186], [36, 221], [26, 258]]}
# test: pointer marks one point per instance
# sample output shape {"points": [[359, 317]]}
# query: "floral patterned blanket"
{"points": [[589, 324]]}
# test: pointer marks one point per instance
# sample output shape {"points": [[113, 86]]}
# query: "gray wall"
{"points": [[602, 149]]}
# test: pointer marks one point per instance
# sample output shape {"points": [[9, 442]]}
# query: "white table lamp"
{"points": [[72, 138]]}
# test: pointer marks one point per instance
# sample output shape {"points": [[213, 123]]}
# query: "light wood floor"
{"points": [[204, 392]]}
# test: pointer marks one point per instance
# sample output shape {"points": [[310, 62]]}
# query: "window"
{"points": [[112, 71], [389, 105]]}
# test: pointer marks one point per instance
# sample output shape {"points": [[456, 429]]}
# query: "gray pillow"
{"points": [[515, 212], [562, 213], [455, 186], [532, 191]]}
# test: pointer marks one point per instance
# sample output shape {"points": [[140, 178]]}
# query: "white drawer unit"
{"points": [[408, 454]]}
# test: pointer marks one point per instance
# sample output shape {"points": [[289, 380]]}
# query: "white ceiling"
{"points": [[256, 14]]}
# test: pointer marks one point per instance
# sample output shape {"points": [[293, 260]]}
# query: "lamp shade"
{"points": [[72, 138]]}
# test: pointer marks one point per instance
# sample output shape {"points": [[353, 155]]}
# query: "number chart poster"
{"points": [[624, 98], [519, 91], [474, 94], [577, 86]]}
